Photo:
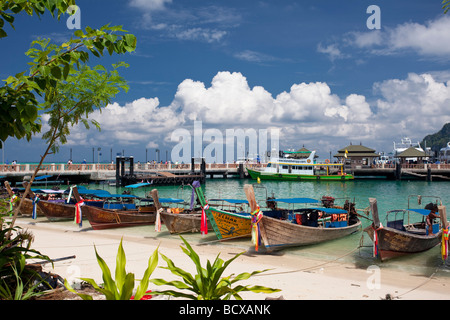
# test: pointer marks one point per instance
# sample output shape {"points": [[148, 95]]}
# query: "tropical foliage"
{"points": [[47, 90], [122, 287], [208, 283], [446, 5], [16, 278]]}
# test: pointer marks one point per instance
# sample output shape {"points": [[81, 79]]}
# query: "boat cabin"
{"points": [[413, 221]]}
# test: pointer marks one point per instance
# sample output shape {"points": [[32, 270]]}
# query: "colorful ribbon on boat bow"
{"points": [[70, 194], [256, 218], [444, 244], [78, 214], [158, 220], [35, 201], [11, 202], [375, 241], [203, 221]]}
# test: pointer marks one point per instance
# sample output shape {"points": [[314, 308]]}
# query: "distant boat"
{"points": [[400, 236], [300, 169], [405, 144], [444, 154]]}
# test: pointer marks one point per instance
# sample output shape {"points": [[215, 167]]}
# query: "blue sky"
{"points": [[311, 69]]}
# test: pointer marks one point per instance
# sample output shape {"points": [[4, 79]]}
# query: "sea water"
{"points": [[356, 248]]}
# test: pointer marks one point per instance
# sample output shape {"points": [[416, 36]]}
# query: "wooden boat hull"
{"points": [[108, 219], [279, 234], [183, 222], [394, 243], [255, 174], [55, 211], [229, 225], [27, 208]]}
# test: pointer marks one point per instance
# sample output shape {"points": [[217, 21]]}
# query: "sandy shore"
{"points": [[297, 277]]}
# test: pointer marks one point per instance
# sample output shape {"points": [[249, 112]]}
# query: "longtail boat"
{"points": [[27, 203], [178, 220], [400, 237], [226, 225], [100, 218], [305, 226], [53, 211]]}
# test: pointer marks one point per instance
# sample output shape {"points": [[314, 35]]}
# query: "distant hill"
{"points": [[437, 140]]}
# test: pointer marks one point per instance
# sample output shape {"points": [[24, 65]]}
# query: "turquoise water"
{"points": [[356, 248]]}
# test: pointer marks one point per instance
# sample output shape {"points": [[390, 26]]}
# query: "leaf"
{"points": [[81, 295], [107, 279], [143, 284], [56, 72]]}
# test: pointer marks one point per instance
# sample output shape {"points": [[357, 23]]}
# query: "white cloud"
{"points": [[309, 113], [430, 39], [199, 34], [332, 50], [253, 56], [208, 24], [150, 5], [140, 121], [417, 104]]}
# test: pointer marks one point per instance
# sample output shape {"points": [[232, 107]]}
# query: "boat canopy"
{"points": [[39, 190], [330, 210], [170, 200], [138, 185], [423, 212], [116, 196], [42, 177], [97, 192], [295, 200], [235, 201]]}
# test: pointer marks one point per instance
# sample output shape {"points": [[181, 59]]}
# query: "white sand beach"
{"points": [[298, 278]]}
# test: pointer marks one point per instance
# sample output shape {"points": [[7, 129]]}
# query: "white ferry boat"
{"points": [[300, 169]]}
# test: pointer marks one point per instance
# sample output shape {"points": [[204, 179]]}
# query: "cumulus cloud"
{"points": [[430, 39], [138, 122], [307, 113], [418, 104]]}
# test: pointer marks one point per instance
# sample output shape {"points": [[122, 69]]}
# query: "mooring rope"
{"points": [[312, 267]]}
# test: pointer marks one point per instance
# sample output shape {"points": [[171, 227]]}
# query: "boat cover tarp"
{"points": [[138, 185], [423, 212], [170, 200], [235, 201], [116, 196], [163, 200], [41, 178], [295, 200], [330, 210]]}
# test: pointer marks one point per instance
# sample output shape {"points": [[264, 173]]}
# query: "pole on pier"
{"points": [[118, 171]]}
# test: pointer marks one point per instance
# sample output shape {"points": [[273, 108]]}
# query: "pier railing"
{"points": [[93, 167]]}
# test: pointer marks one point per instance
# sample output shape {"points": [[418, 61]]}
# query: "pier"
{"points": [[130, 172]]}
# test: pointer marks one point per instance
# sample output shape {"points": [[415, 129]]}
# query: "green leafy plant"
{"points": [[208, 283], [17, 287], [446, 5], [122, 287], [15, 249]]}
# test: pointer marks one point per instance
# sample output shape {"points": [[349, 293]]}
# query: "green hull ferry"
{"points": [[255, 174], [301, 169]]}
